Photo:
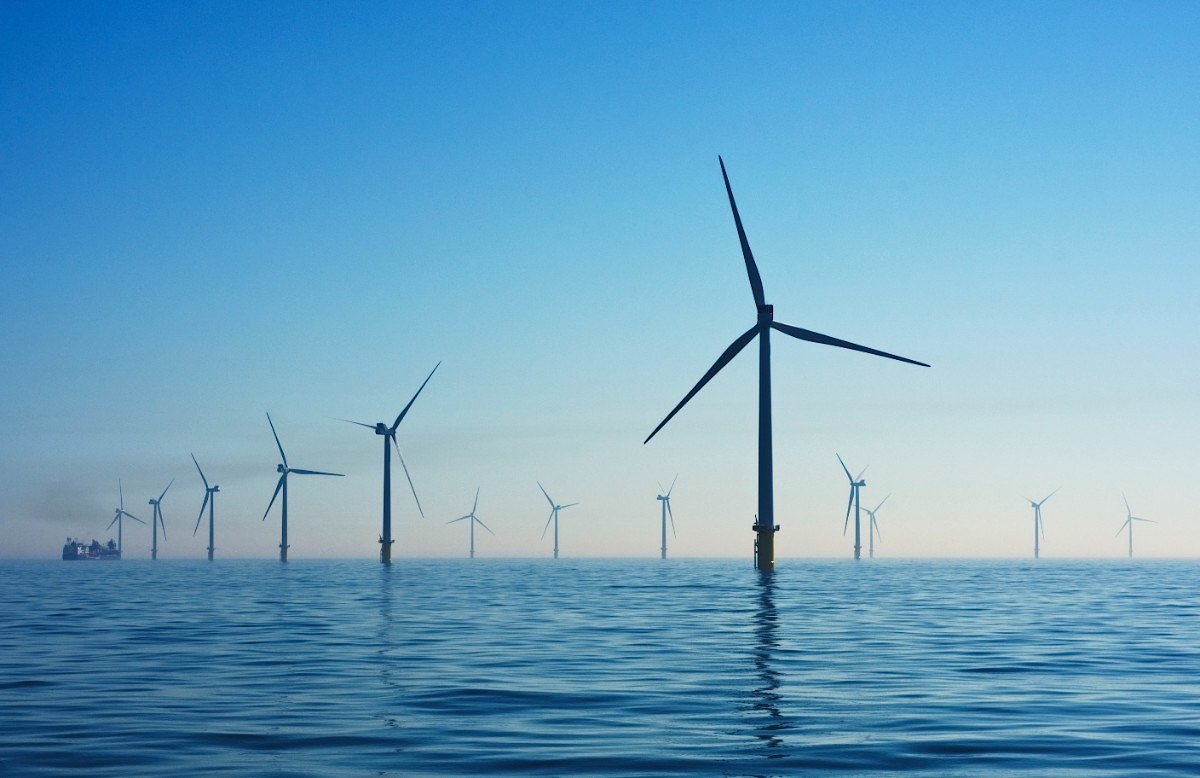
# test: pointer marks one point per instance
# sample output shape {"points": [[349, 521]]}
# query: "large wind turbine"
{"points": [[856, 483], [283, 471], [473, 519], [764, 524], [554, 509], [158, 521], [120, 513], [873, 526], [1038, 527], [210, 500], [389, 435], [665, 499], [1129, 520]]}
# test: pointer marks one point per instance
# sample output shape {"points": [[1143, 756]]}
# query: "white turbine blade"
{"points": [[277, 443], [1123, 525], [1047, 497], [197, 464], [1128, 510], [475, 504], [671, 515], [460, 518], [860, 474], [672, 488], [480, 523], [571, 504], [881, 502], [404, 467], [539, 483], [839, 456], [543, 537], [129, 515], [1139, 518], [875, 524], [849, 505]]}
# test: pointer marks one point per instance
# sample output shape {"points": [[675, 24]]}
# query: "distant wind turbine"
{"points": [[856, 483], [665, 499], [283, 471], [1129, 520], [473, 519], [554, 509], [120, 513], [210, 501], [389, 435], [158, 521], [1038, 527], [764, 523], [873, 526]]}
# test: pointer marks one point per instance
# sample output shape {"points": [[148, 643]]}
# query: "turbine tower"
{"points": [[665, 499], [210, 501], [873, 526], [283, 469], [1129, 520], [473, 521], [157, 521], [1038, 527], [855, 485], [389, 435], [554, 509], [119, 513], [764, 523]]}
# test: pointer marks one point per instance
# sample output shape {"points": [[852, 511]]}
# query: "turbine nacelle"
{"points": [[281, 468], [382, 429]]}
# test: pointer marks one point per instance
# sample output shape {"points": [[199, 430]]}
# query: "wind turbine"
{"points": [[855, 485], [1129, 520], [873, 526], [1038, 527], [554, 509], [764, 523], [120, 513], [210, 500], [283, 471], [157, 521], [665, 499], [389, 435], [473, 520]]}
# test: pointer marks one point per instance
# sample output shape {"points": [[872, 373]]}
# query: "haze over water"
{"points": [[599, 667]]}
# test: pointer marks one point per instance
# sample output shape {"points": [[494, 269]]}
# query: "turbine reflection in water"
{"points": [[765, 698]]}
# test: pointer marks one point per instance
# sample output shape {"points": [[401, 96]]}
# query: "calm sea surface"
{"points": [[537, 667]]}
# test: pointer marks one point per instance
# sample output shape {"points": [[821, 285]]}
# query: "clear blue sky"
{"points": [[212, 210]]}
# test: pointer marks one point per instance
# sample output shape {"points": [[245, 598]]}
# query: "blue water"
{"points": [[537, 667]]}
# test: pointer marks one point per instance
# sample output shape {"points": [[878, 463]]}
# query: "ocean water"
{"points": [[599, 667]]}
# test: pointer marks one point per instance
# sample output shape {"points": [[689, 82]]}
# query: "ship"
{"points": [[75, 549]]}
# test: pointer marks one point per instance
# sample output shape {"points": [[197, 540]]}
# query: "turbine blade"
{"points": [[839, 456], [572, 504], [1138, 518], [282, 455], [202, 478], [722, 360], [1122, 529], [881, 502], [121, 491], [1128, 510], [539, 483], [480, 523], [860, 474], [162, 523], [849, 505], [751, 268], [400, 418], [875, 524], [460, 518], [671, 516], [164, 491], [1047, 497], [129, 515], [816, 337], [315, 472], [359, 423], [203, 505], [475, 504], [404, 467], [543, 537], [114, 521], [278, 486], [672, 488]]}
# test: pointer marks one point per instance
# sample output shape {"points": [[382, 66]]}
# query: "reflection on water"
{"points": [[765, 697]]}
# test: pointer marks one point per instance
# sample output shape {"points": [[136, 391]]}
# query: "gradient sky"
{"points": [[216, 209]]}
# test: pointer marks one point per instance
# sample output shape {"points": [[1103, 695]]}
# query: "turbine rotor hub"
{"points": [[766, 314]]}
